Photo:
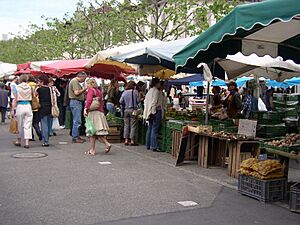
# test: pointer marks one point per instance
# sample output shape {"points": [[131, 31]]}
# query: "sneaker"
{"points": [[156, 150]]}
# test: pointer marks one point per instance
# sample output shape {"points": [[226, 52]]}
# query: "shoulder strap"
{"points": [[133, 102]]}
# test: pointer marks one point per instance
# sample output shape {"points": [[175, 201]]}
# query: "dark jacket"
{"points": [[233, 103], [3, 98]]}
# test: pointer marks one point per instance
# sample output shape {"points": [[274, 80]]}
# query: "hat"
{"points": [[232, 83], [11, 77], [81, 74]]}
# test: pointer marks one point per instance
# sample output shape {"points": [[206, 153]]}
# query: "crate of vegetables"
{"points": [[290, 143]]}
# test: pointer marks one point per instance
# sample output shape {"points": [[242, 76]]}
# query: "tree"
{"points": [[107, 23]]}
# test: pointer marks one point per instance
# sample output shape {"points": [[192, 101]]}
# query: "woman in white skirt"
{"points": [[93, 110]]}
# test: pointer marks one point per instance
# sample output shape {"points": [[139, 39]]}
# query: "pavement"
{"points": [[130, 185]]}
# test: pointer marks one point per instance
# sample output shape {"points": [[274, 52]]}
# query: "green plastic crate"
{"points": [[268, 118], [270, 131]]}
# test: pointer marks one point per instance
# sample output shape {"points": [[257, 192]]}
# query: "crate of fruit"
{"points": [[295, 198], [263, 190]]}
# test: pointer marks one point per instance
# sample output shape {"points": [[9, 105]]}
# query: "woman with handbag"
{"points": [[22, 104], [93, 111], [35, 104], [44, 93], [130, 101], [54, 95]]}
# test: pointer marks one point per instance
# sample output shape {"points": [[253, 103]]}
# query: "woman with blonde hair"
{"points": [[22, 104], [93, 110]]}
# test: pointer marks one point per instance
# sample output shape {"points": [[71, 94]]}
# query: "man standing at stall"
{"points": [[233, 102], [76, 95]]}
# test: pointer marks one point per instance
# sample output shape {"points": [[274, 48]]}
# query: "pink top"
{"points": [[93, 92]]}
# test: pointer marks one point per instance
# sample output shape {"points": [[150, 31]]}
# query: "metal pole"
{"points": [[207, 102]]}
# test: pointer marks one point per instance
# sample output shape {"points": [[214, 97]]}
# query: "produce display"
{"points": [[231, 136], [289, 140], [264, 170], [290, 143], [184, 115], [112, 119]]}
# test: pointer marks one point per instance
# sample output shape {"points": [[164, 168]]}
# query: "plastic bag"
{"points": [[90, 127], [261, 106], [55, 125]]}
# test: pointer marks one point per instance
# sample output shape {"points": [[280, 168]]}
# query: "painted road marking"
{"points": [[105, 163], [62, 143], [187, 203]]}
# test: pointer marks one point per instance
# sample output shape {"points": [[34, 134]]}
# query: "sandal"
{"points": [[90, 153], [133, 144], [18, 144], [107, 150]]}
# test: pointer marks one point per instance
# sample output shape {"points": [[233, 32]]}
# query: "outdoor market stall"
{"points": [[265, 28]]}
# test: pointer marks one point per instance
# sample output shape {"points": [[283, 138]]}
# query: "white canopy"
{"points": [[268, 67], [7, 69], [107, 54]]}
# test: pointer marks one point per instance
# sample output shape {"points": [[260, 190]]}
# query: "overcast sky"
{"points": [[16, 13]]}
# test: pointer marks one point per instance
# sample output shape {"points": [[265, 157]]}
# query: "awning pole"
{"points": [[207, 102]]}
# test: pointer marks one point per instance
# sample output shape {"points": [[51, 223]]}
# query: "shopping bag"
{"points": [[261, 106], [90, 127], [55, 125], [54, 111], [13, 126]]}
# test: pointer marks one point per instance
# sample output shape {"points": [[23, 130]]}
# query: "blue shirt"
{"points": [[130, 99]]}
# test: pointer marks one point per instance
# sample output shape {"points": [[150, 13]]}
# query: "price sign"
{"points": [[247, 127]]}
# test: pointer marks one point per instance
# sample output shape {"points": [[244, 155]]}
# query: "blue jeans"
{"points": [[51, 126], [111, 108], [152, 131], [76, 109], [45, 122]]}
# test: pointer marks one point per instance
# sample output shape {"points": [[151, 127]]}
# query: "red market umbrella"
{"points": [[63, 68]]}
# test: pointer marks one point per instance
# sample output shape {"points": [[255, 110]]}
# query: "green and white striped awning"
{"points": [[266, 28]]}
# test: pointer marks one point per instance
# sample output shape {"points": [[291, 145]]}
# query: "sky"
{"points": [[17, 13]]}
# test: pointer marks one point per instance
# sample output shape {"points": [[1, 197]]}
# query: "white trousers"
{"points": [[24, 117]]}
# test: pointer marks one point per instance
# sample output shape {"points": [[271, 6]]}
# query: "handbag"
{"points": [[135, 112], [35, 101], [54, 107], [95, 103], [13, 126]]}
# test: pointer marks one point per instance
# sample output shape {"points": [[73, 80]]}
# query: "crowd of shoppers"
{"points": [[33, 100]]}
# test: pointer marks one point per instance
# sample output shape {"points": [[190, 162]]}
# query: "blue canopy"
{"points": [[185, 80], [276, 84], [214, 83], [293, 81], [242, 80]]}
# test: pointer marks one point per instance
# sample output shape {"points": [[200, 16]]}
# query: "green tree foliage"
{"points": [[99, 25]]}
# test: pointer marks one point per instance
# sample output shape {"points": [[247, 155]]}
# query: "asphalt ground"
{"points": [[138, 187]]}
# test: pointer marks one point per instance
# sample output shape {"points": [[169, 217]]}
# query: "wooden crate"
{"points": [[200, 129], [211, 152], [238, 150], [114, 134], [176, 139]]}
